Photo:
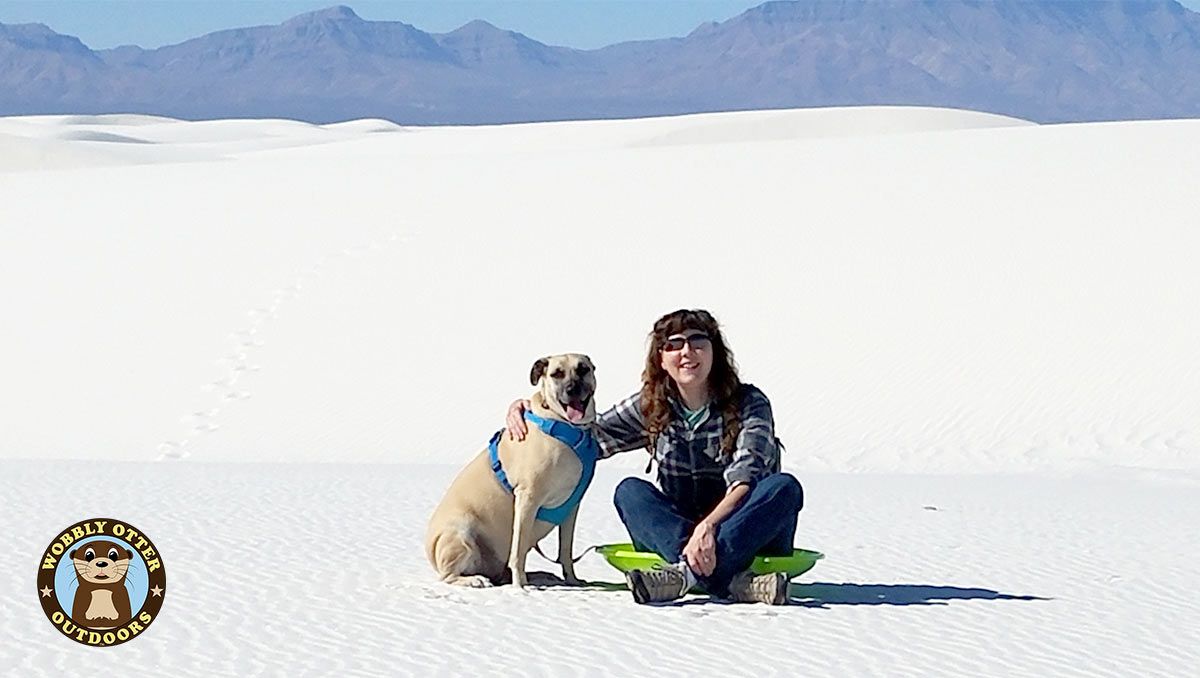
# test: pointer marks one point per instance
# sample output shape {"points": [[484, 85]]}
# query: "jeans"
{"points": [[763, 524]]}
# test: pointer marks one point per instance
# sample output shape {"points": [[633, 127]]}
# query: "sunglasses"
{"points": [[696, 341]]}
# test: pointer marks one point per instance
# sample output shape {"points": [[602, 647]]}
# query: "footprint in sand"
{"points": [[245, 342], [171, 450]]}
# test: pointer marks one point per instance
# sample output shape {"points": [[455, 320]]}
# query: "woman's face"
{"points": [[688, 358]]}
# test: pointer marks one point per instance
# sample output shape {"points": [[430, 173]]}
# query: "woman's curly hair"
{"points": [[657, 385]]}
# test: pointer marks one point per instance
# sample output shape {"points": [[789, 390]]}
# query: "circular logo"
{"points": [[101, 582]]}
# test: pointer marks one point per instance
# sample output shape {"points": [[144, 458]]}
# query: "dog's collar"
{"points": [[570, 434]]}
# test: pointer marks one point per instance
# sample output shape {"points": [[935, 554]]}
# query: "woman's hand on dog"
{"points": [[515, 421], [701, 549]]}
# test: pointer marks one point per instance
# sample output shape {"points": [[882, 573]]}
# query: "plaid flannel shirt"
{"points": [[691, 469]]}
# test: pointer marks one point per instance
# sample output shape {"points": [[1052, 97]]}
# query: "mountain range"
{"points": [[1042, 61]]}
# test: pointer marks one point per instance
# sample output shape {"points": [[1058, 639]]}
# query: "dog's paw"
{"points": [[474, 581]]}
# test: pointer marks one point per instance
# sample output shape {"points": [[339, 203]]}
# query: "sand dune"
{"points": [[272, 343], [762, 126], [50, 142], [990, 299]]}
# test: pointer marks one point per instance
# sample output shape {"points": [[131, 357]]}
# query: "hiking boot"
{"points": [[770, 588], [662, 584]]}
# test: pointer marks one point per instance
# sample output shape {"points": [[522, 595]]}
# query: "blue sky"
{"points": [[584, 24]]}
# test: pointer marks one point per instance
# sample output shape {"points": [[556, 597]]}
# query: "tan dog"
{"points": [[480, 530]]}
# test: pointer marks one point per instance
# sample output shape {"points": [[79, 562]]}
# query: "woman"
{"points": [[721, 498]]}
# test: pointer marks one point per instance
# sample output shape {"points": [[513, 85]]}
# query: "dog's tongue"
{"points": [[574, 412]]}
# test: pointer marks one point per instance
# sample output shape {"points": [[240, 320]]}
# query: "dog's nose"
{"points": [[574, 389]]}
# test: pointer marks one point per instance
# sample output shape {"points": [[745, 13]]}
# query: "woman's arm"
{"points": [[621, 427], [726, 506], [618, 429], [701, 549], [755, 457], [756, 454]]}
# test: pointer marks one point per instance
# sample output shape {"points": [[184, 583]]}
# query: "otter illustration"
{"points": [[101, 601]]}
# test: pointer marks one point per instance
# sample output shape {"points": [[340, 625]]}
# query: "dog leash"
{"points": [[559, 562]]}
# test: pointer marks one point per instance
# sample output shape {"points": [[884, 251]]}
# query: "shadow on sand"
{"points": [[821, 594]]}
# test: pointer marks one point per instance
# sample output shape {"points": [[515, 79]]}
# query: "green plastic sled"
{"points": [[624, 558]]}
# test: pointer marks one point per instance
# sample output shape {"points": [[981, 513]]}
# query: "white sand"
{"points": [[271, 344]]}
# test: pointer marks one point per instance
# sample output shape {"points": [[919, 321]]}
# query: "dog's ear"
{"points": [[539, 368]]}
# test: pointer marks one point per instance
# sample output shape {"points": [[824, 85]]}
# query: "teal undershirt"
{"points": [[693, 417]]}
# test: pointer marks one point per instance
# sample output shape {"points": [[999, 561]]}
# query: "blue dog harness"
{"points": [[581, 440]]}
